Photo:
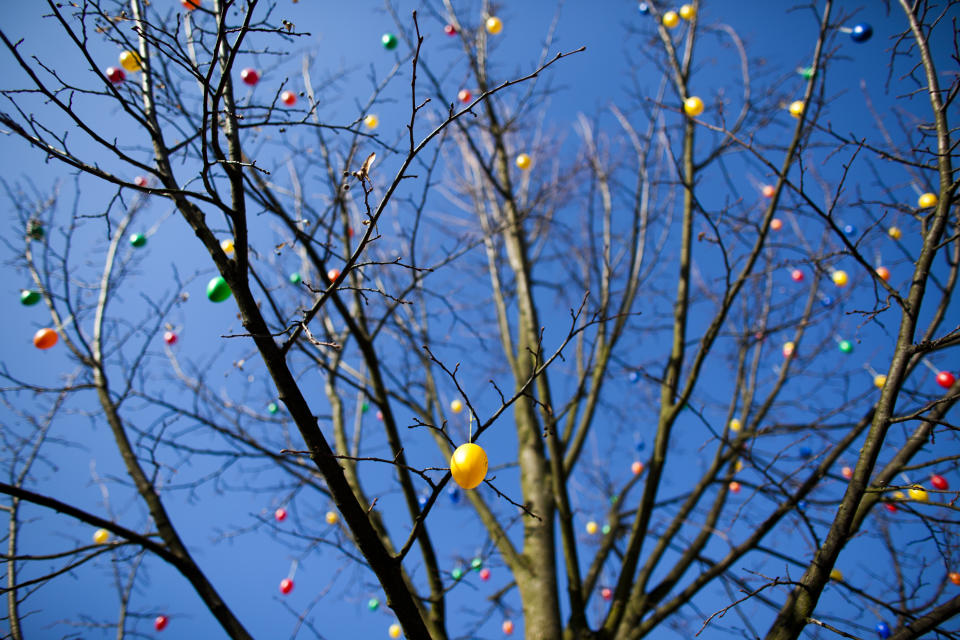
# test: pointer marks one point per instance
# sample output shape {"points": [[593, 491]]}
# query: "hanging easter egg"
{"points": [[227, 246], [457, 573], [693, 106], [523, 162], [476, 564], [734, 487], [954, 577], [796, 108], [169, 337], [371, 121], [250, 76], [927, 201], [494, 25], [373, 604], [449, 29], [788, 349], [272, 408], [138, 240], [806, 72], [484, 574], [895, 233], [670, 19], [468, 465], [643, 8], [45, 338], [592, 528], [115, 75], [605, 529], [606, 593], [35, 230], [286, 586], [899, 495], [796, 275], [464, 96], [394, 630], [331, 517], [861, 33], [776, 224], [845, 346], [130, 61], [826, 301], [190, 5], [687, 12], [738, 467], [918, 493], [380, 416], [805, 453], [422, 499], [883, 629], [217, 289], [389, 41], [939, 482], [636, 468], [28, 298], [849, 229], [946, 379], [768, 191], [295, 278], [288, 98], [160, 623], [840, 278], [456, 406], [883, 273], [836, 574], [735, 425], [846, 472], [889, 506], [140, 181], [280, 514], [507, 627], [879, 380], [100, 536], [802, 505], [454, 494], [633, 376]]}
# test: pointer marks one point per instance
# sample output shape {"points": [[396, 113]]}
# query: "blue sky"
{"points": [[228, 522]]}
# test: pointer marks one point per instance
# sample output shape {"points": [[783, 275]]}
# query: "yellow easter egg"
{"points": [[468, 465]]}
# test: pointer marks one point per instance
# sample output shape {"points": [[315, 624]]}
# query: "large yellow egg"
{"points": [[687, 12], [927, 200], [918, 493], [523, 162], [796, 108], [671, 19], [130, 61], [100, 536], [693, 106], [494, 25], [468, 465]]}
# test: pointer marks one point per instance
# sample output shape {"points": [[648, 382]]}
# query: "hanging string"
{"points": [[470, 439]]}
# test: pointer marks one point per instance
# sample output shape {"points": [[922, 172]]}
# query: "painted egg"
{"points": [[693, 106], [927, 201], [45, 338], [494, 25], [217, 289], [468, 465]]}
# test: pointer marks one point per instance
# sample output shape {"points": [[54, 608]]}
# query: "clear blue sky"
{"points": [[247, 567]]}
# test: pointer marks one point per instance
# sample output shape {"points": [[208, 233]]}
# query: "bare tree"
{"points": [[710, 258]]}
